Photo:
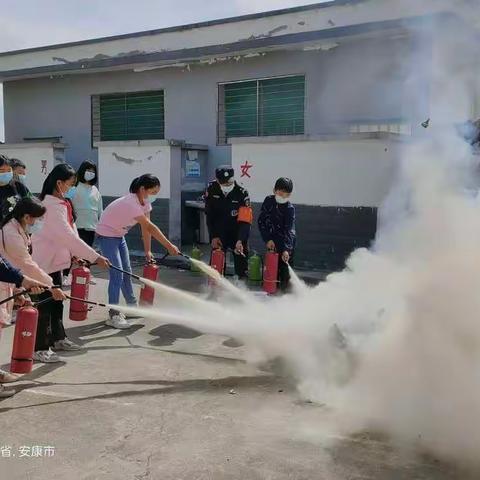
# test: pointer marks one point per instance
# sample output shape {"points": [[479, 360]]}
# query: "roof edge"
{"points": [[189, 26]]}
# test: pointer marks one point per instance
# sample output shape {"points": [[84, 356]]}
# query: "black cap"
{"points": [[224, 173], [284, 184]]}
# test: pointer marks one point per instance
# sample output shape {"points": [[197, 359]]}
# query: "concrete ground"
{"points": [[166, 402]]}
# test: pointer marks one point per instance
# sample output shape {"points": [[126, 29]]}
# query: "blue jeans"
{"points": [[116, 250]]}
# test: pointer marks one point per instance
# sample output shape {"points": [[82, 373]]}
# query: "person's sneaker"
{"points": [[46, 356], [6, 393], [7, 377], [67, 281], [118, 320], [92, 280], [66, 345]]}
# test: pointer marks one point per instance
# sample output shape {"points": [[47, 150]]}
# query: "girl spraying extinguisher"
{"points": [[115, 222]]}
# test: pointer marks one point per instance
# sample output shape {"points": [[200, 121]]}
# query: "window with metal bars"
{"points": [[255, 108], [128, 116]]}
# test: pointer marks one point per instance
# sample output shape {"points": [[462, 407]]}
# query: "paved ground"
{"points": [[165, 402]]}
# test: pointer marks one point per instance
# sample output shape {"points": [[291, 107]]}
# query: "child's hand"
{"points": [[271, 245], [285, 256], [239, 248]]}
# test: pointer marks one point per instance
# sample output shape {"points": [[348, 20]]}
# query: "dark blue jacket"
{"points": [[8, 274], [277, 222]]}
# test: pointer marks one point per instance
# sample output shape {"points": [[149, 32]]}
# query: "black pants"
{"points": [[240, 262], [50, 318], [283, 272], [88, 236]]}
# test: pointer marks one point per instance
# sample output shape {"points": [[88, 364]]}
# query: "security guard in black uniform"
{"points": [[229, 217]]}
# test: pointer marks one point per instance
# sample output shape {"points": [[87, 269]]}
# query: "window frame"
{"points": [[96, 97], [258, 80]]}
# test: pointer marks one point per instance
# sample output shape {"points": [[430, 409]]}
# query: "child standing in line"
{"points": [[277, 227], [53, 247], [87, 202], [117, 219]]}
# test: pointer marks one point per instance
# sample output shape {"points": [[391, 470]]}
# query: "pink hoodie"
{"points": [[55, 245], [14, 246]]}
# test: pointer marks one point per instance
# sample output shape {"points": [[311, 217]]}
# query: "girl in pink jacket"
{"points": [[53, 247], [25, 218]]}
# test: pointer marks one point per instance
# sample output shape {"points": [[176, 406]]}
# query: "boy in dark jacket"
{"points": [[277, 227]]}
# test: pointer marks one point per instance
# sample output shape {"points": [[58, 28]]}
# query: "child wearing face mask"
{"points": [[117, 219], [19, 171], [11, 190], [87, 202], [277, 227], [15, 246], [53, 247]]}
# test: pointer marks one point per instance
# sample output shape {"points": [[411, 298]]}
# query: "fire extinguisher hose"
{"points": [[88, 302]]}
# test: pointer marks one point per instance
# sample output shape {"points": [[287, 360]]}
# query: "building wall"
{"points": [[338, 186], [364, 79]]}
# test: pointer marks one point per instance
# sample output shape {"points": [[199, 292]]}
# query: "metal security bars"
{"points": [[254, 108], [128, 116]]}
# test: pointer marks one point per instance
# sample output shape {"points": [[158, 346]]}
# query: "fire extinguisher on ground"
{"points": [[270, 272], [24, 340], [217, 262], [80, 289], [150, 272]]}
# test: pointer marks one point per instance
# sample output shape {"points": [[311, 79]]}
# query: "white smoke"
{"points": [[409, 307]]}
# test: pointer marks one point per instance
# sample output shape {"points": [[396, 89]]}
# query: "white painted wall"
{"points": [[34, 154], [120, 162], [347, 172]]}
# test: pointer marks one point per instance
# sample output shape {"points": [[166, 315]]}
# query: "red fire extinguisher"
{"points": [[217, 260], [150, 271], [270, 272], [80, 287], [24, 340]]}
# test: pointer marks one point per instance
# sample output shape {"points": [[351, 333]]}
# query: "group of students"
{"points": [[40, 238], [229, 218]]}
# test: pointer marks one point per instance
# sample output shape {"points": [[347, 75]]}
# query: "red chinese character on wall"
{"points": [[245, 168], [44, 167]]}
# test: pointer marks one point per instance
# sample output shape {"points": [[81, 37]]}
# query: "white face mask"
{"points": [[281, 200], [89, 176], [226, 189]]}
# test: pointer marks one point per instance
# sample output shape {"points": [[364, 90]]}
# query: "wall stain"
{"points": [[130, 161], [99, 56], [265, 35]]}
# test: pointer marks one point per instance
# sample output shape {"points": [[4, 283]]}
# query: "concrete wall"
{"points": [[120, 162], [364, 79], [338, 186], [341, 173], [39, 158]]}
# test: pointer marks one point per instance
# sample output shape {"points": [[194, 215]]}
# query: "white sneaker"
{"points": [[118, 321], [46, 356], [66, 345], [67, 281], [92, 280]]}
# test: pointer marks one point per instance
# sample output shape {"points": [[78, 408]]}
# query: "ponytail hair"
{"points": [[62, 172], [146, 181], [25, 206]]}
